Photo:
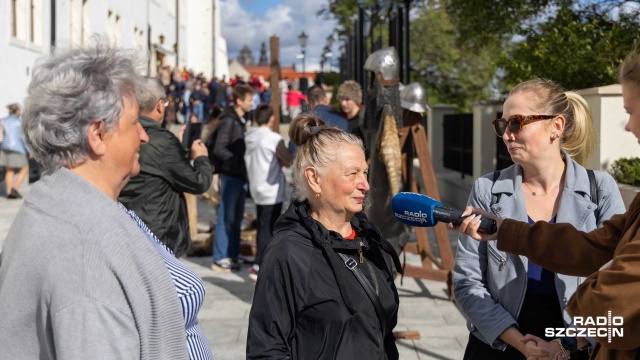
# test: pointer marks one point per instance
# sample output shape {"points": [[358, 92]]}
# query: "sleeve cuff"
{"points": [[509, 234]]}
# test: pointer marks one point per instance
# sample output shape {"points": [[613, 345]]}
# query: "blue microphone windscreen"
{"points": [[414, 209]]}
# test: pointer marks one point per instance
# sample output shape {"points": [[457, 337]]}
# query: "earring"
{"points": [[317, 195]]}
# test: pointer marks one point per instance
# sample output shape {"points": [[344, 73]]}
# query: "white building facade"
{"points": [[184, 33]]}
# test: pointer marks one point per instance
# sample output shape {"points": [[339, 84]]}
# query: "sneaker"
{"points": [[235, 264], [253, 274], [223, 265]]}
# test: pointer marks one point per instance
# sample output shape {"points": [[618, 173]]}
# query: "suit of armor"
{"points": [[380, 131]]}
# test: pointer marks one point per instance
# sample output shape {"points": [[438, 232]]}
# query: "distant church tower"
{"points": [[263, 55], [245, 58]]}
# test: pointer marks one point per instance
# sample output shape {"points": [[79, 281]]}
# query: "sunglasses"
{"points": [[516, 123]]}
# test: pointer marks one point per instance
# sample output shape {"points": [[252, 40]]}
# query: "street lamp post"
{"points": [[327, 50], [326, 57], [302, 38]]}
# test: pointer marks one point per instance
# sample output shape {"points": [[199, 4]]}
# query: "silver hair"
{"points": [[69, 91], [149, 93], [321, 151]]}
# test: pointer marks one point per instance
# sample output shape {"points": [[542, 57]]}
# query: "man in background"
{"points": [[156, 194], [318, 104], [350, 97]]}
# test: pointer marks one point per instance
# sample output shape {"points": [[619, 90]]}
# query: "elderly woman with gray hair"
{"points": [[81, 277], [326, 285]]}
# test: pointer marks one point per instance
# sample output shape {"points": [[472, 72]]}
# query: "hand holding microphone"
{"points": [[422, 211]]}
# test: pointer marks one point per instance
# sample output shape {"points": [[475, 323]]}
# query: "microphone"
{"points": [[422, 211]]}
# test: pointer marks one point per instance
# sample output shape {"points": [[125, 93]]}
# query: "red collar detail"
{"points": [[352, 235]]}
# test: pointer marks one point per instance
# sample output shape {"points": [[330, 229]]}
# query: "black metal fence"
{"points": [[503, 158], [458, 143]]}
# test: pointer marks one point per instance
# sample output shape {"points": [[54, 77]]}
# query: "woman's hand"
{"points": [[554, 348], [534, 352], [470, 225]]}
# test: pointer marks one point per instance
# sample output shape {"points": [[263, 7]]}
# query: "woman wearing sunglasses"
{"points": [[548, 133]]}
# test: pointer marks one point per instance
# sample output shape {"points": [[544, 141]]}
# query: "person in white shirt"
{"points": [[265, 156]]}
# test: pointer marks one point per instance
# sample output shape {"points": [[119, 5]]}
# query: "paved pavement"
{"points": [[424, 305]]}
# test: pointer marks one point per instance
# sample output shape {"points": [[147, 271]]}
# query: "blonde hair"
{"points": [[578, 138], [318, 146]]}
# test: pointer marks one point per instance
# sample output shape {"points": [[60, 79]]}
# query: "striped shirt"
{"points": [[190, 289]]}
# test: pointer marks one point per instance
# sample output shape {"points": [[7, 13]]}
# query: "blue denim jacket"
{"points": [[489, 284], [13, 140]]}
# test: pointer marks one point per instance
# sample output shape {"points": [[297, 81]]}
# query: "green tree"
{"points": [[452, 70], [482, 21], [345, 11], [577, 47]]}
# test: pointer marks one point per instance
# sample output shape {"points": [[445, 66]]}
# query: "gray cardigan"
{"points": [[490, 285], [80, 280]]}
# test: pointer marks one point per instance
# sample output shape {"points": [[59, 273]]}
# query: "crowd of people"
{"points": [[108, 281]]}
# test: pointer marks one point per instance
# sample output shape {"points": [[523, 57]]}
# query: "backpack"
{"points": [[211, 144]]}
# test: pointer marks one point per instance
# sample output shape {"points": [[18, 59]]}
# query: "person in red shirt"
{"points": [[294, 98]]}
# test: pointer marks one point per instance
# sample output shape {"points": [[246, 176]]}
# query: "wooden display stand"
{"points": [[413, 143], [274, 81]]}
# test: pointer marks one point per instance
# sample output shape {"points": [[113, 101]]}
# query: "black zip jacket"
{"points": [[156, 194], [309, 305], [229, 146]]}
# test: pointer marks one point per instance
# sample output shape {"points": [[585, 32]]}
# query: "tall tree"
{"points": [[577, 43], [578, 47], [451, 70]]}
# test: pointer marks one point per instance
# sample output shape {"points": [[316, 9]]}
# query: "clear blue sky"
{"points": [[259, 7]]}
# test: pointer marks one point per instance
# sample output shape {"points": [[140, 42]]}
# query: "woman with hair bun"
{"points": [[549, 134], [326, 285]]}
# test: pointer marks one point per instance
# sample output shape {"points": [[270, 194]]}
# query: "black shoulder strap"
{"points": [[495, 198], [352, 265], [594, 193]]}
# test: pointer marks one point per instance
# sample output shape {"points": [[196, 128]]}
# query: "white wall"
{"points": [[162, 21], [75, 24], [200, 36], [609, 119], [220, 58], [17, 56], [484, 138]]}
